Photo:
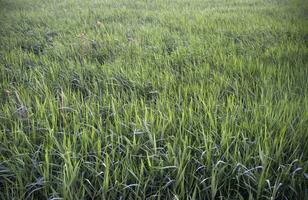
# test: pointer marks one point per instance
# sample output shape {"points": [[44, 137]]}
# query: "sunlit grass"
{"points": [[153, 99]]}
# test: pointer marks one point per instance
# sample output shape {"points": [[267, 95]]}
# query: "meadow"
{"points": [[154, 99]]}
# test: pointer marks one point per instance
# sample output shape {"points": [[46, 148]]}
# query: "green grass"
{"points": [[162, 99]]}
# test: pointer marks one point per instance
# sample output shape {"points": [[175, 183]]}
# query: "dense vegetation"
{"points": [[157, 99]]}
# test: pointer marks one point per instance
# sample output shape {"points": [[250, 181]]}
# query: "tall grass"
{"points": [[153, 99]]}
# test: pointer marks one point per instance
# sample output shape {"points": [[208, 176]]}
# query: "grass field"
{"points": [[154, 99]]}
